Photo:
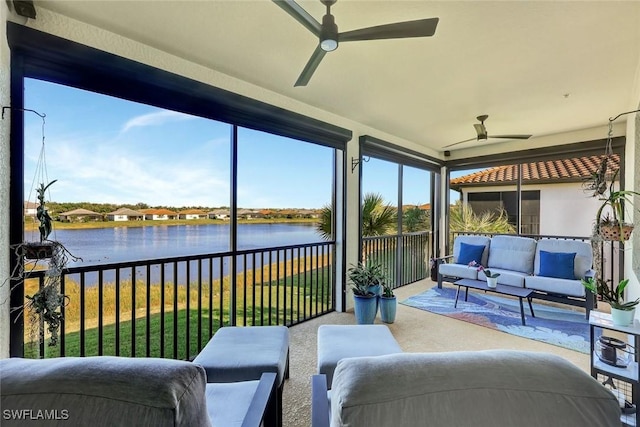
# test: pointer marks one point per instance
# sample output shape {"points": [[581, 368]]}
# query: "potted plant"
{"points": [[365, 279], [622, 313], [43, 248], [492, 277], [388, 303], [614, 228]]}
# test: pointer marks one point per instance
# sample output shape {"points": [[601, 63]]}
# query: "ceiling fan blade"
{"points": [[510, 136], [300, 15], [311, 66], [399, 30], [460, 142]]}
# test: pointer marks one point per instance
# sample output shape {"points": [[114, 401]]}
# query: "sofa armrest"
{"points": [[265, 393], [591, 273], [319, 401], [439, 261]]}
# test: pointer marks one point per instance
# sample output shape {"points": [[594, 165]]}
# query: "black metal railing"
{"points": [[170, 307], [405, 257]]}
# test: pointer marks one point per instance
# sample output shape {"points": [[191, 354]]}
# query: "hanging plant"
{"points": [[45, 305], [47, 302], [613, 227], [44, 248]]}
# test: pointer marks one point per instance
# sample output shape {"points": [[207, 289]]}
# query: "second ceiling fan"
{"points": [[329, 37], [481, 130]]}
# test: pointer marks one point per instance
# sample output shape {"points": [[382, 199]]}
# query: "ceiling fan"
{"points": [[481, 130], [329, 37]]}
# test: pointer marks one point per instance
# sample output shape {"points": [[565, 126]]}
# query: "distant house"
{"points": [[553, 200], [30, 208], [219, 214], [159, 214], [125, 214], [192, 214], [80, 215], [246, 214]]}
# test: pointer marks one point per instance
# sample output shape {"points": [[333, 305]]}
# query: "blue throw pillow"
{"points": [[557, 264], [470, 253]]}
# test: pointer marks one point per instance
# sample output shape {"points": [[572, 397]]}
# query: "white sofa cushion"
{"points": [[471, 240], [512, 253], [555, 286], [581, 263], [507, 277], [481, 389], [458, 270]]}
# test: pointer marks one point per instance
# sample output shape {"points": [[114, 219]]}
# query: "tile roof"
{"points": [[159, 211], [574, 169], [80, 211]]}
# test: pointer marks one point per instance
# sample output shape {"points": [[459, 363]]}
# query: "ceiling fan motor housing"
{"points": [[329, 33]]}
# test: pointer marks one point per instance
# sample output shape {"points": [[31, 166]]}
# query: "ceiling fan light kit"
{"points": [[329, 37]]}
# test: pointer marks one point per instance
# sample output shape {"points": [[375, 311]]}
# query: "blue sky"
{"points": [[107, 150]]}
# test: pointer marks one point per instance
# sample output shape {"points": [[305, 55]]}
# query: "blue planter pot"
{"points": [[365, 309], [388, 306], [376, 289]]}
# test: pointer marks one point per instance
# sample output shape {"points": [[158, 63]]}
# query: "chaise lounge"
{"points": [[480, 389], [118, 391]]}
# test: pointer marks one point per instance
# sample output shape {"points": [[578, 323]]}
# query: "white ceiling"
{"points": [[513, 60]]}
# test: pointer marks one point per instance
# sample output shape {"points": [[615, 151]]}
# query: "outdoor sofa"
{"points": [[474, 388], [552, 268], [119, 391]]}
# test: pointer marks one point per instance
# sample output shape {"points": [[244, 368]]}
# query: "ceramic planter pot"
{"points": [[388, 307], [492, 282], [622, 317], [365, 308]]}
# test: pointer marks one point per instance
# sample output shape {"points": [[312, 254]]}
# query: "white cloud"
{"points": [[155, 119], [103, 173]]}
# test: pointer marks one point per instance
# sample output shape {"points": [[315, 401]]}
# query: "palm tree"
{"points": [[325, 223], [378, 217], [414, 219], [462, 218]]}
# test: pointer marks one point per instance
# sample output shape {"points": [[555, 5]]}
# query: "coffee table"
{"points": [[499, 289]]}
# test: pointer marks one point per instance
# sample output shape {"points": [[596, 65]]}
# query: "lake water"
{"points": [[122, 244]]}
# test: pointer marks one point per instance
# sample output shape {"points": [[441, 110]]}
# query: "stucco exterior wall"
{"points": [[565, 210], [4, 186]]}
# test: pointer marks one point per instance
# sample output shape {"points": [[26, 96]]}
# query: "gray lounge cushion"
{"points": [[106, 391], [512, 253], [227, 403], [479, 389], [336, 342], [243, 353]]}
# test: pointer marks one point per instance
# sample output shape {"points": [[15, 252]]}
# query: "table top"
{"points": [[500, 289]]}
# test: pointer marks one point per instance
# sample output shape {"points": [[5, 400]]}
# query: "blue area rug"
{"points": [[552, 325]]}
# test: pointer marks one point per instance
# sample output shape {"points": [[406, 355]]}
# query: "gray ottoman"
{"points": [[336, 342], [243, 353]]}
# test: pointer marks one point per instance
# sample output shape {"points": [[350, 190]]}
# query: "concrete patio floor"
{"points": [[416, 331]]}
